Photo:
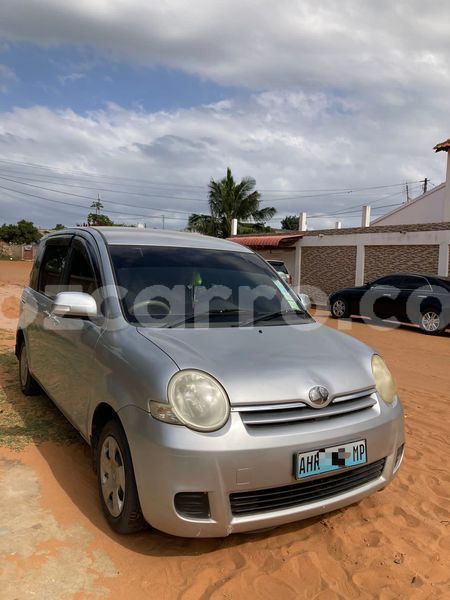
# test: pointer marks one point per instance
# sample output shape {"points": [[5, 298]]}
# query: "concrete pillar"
{"points": [[297, 267], [446, 215], [360, 260], [365, 222], [302, 222], [338, 225], [234, 226], [443, 259]]}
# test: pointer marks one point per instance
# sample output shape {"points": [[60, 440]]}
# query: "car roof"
{"points": [[412, 274], [136, 236], [409, 274]]}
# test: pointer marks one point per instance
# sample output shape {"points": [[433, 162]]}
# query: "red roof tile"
{"points": [[443, 146], [267, 241]]}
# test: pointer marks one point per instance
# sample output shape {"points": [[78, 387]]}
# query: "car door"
{"points": [[380, 300], [78, 337], [416, 291], [38, 300]]}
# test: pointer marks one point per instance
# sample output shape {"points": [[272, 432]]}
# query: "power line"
{"points": [[344, 190], [90, 197], [92, 175], [21, 193], [96, 188], [357, 207]]}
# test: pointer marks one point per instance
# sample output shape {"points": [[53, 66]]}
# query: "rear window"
{"points": [[278, 265]]}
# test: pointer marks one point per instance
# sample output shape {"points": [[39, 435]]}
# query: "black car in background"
{"points": [[406, 297]]}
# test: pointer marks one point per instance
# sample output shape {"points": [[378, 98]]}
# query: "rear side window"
{"points": [[414, 283], [53, 266]]}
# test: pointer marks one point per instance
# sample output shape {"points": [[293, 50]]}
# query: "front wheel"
{"points": [[340, 308], [431, 322], [116, 483]]}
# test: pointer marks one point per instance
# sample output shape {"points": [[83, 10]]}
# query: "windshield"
{"points": [[171, 287]]}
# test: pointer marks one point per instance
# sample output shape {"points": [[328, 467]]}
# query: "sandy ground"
{"points": [[395, 544]]}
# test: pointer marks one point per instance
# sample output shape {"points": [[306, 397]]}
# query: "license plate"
{"points": [[335, 458]]}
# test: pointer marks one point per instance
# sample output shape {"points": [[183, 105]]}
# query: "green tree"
{"points": [[23, 232], [97, 218], [229, 200], [290, 223], [58, 227]]}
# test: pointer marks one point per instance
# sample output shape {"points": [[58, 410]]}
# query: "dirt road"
{"points": [[54, 542]]}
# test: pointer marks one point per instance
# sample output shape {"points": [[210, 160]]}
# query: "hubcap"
{"points": [[431, 321], [339, 308], [112, 476], [23, 366]]}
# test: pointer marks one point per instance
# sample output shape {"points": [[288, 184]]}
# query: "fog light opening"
{"points": [[193, 505]]}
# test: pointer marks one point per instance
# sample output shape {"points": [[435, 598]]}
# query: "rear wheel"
{"points": [[431, 322], [28, 384], [340, 308], [116, 483]]}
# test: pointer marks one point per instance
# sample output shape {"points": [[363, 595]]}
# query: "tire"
{"points": [[119, 499], [28, 384], [431, 322], [339, 308]]}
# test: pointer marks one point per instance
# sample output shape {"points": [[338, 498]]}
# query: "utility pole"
{"points": [[407, 193], [425, 185], [163, 221]]}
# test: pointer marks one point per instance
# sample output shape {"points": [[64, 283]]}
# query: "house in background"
{"points": [[414, 238], [431, 207]]}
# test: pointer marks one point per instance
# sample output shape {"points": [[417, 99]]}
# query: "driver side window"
{"points": [[81, 277], [391, 281]]}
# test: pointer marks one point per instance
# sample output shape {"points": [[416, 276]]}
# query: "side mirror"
{"points": [[74, 304], [305, 301]]}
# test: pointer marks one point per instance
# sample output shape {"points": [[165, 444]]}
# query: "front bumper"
{"points": [[170, 459]]}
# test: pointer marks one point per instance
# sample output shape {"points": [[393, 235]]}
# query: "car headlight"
{"points": [[198, 401], [384, 382]]}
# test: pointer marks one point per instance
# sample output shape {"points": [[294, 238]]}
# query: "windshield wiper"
{"points": [[208, 313], [274, 315]]}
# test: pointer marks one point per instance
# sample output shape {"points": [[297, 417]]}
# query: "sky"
{"points": [[327, 105]]}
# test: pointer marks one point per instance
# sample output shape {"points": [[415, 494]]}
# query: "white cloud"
{"points": [[256, 43], [70, 77], [345, 94], [286, 140]]}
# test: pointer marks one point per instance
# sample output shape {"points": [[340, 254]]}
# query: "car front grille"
{"points": [[296, 494], [295, 412]]}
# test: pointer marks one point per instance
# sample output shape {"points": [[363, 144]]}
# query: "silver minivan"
{"points": [[212, 401]]}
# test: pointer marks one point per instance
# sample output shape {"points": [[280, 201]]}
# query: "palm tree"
{"points": [[229, 200]]}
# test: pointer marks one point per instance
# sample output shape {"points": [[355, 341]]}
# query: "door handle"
{"points": [[388, 295]]}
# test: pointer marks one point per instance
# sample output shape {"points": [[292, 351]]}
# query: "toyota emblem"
{"points": [[319, 396]]}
